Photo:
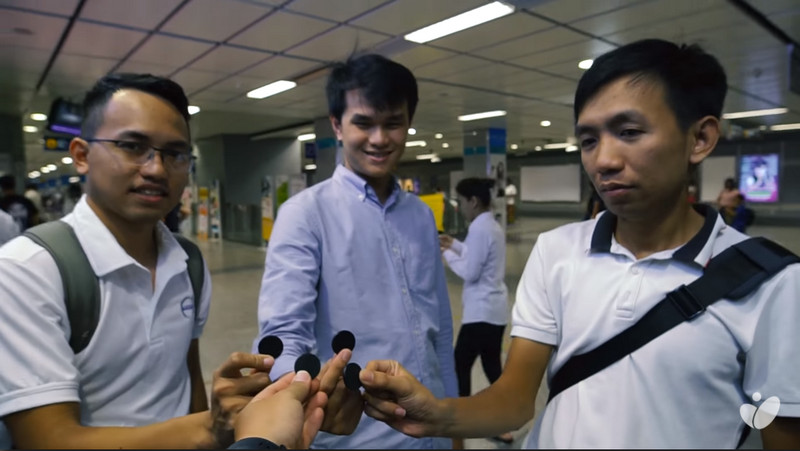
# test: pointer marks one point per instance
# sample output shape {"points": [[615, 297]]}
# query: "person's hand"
{"points": [[396, 397], [288, 412], [445, 241], [232, 389], [345, 406]]}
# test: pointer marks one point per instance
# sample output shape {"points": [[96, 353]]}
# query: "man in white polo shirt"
{"points": [[137, 384], [645, 114]]}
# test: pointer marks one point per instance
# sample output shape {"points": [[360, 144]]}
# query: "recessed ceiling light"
{"points": [[537, 148], [484, 115], [514, 147], [416, 144], [557, 145], [460, 22], [438, 136], [755, 113], [52, 167], [544, 123], [194, 109], [585, 64], [271, 89], [571, 148], [435, 160], [445, 146], [307, 137], [34, 174], [66, 160], [412, 131], [30, 129], [74, 179], [39, 117], [310, 167], [44, 169], [427, 156]]}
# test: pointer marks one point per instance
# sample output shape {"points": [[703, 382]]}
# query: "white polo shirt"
{"points": [[133, 372], [580, 287]]}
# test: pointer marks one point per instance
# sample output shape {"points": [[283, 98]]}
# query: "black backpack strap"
{"points": [[81, 287], [733, 274], [195, 267]]}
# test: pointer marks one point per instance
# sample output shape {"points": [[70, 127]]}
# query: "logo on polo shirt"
{"points": [[187, 307], [761, 416]]}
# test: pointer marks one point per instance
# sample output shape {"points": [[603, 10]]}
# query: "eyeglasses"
{"points": [[138, 153]]}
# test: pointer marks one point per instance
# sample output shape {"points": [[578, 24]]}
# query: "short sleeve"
{"points": [[37, 362], [772, 363], [533, 317]]}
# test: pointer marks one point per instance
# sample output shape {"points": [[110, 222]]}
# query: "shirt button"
{"points": [[634, 270], [360, 197], [405, 291], [395, 250]]}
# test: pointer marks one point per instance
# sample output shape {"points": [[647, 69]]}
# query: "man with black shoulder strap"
{"points": [[126, 372], [659, 326]]}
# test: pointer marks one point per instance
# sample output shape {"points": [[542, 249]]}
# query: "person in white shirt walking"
{"points": [[511, 201], [481, 261]]}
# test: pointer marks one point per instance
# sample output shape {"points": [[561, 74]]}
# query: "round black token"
{"points": [[351, 379], [343, 340], [270, 345], [307, 362]]}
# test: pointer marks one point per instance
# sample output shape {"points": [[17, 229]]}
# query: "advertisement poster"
{"points": [[202, 213], [436, 203], [214, 213], [267, 217], [758, 180]]}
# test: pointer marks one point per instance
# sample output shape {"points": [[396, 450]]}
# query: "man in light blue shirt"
{"points": [[356, 253]]}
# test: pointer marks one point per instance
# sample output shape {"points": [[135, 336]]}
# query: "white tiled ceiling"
{"points": [[525, 63]]}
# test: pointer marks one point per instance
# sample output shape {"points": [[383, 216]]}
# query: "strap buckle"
{"points": [[685, 302]]}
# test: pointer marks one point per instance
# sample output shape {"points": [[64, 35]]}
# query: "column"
{"points": [[485, 156]]}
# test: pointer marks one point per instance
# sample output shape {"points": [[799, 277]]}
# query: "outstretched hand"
{"points": [[289, 412], [345, 406], [396, 397]]}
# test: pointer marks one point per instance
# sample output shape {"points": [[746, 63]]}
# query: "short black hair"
{"points": [[730, 181], [96, 99], [476, 187], [384, 84], [694, 82]]}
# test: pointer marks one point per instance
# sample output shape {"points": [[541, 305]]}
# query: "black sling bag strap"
{"points": [[733, 274]]}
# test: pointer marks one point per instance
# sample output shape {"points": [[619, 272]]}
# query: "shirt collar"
{"points": [[104, 252], [360, 186], [697, 250]]}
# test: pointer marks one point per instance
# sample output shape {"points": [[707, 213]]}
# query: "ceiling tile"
{"points": [[228, 59], [573, 10], [145, 68], [64, 7], [215, 20], [14, 60], [140, 13], [769, 7], [280, 31], [169, 51], [342, 12], [491, 33], [83, 68], [573, 53], [99, 40], [237, 85], [442, 68], [539, 41], [194, 80], [337, 44], [650, 15], [405, 16], [420, 55], [43, 31], [280, 68]]}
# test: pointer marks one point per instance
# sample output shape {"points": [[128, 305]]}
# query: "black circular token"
{"points": [[270, 345], [307, 362], [343, 340], [351, 379]]}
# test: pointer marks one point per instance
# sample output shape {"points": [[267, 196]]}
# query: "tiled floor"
{"points": [[236, 274]]}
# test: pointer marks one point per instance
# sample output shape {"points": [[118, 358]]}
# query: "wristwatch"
{"points": [[255, 443]]}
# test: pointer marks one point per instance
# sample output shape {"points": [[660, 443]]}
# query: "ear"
{"points": [[705, 137], [337, 127], [79, 150]]}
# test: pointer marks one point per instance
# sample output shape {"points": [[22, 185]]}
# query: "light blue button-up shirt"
{"points": [[338, 260], [481, 261]]}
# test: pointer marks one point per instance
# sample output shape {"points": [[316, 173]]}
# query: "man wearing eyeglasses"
{"points": [[137, 384]]}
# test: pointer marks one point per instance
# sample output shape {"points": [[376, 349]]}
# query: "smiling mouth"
{"points": [[379, 155], [151, 192]]}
